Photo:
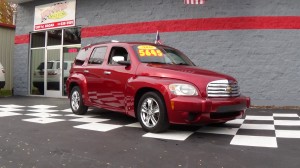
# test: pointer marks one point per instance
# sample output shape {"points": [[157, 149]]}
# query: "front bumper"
{"points": [[195, 110]]}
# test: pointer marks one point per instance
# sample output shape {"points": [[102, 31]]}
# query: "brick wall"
{"points": [[21, 70], [265, 62]]}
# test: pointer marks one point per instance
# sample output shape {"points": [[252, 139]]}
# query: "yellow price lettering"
{"points": [[148, 53], [142, 53], [159, 53], [146, 47], [153, 52]]}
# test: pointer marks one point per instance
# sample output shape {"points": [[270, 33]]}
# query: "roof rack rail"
{"points": [[103, 42]]}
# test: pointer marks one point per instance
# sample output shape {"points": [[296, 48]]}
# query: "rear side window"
{"points": [[81, 56], [98, 55]]}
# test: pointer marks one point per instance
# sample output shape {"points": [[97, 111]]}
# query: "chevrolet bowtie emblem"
{"points": [[228, 89]]}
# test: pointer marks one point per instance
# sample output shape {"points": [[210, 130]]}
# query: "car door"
{"points": [[94, 74], [115, 79]]}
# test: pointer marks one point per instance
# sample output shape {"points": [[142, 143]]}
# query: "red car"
{"points": [[155, 83]]}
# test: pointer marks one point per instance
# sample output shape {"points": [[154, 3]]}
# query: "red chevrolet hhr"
{"points": [[155, 83]]}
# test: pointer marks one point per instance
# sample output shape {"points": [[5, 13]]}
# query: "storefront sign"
{"points": [[55, 15]]}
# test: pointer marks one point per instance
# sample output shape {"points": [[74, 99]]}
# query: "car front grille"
{"points": [[223, 88]]}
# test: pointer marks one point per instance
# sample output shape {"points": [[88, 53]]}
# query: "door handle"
{"points": [[86, 71], [107, 72]]}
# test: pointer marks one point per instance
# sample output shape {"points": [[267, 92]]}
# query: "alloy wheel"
{"points": [[75, 100], [150, 112]]}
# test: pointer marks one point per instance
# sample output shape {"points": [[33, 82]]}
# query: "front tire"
{"points": [[76, 102], [152, 113]]}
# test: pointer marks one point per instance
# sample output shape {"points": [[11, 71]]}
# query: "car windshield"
{"points": [[161, 55]]}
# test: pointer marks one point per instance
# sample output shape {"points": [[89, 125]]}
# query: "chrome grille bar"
{"points": [[223, 88]]}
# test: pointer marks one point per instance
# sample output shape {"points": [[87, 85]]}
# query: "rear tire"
{"points": [[76, 102], [152, 113]]}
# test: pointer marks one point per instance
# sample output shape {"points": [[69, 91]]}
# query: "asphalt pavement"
{"points": [[42, 132]]}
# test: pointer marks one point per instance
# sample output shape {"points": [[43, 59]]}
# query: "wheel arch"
{"points": [[71, 86], [80, 81]]}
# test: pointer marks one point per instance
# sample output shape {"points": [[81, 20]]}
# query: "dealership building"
{"points": [[255, 41]]}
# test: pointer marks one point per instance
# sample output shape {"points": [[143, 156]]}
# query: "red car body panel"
{"points": [[117, 87]]}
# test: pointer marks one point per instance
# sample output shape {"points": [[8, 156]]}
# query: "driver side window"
{"points": [[118, 54]]}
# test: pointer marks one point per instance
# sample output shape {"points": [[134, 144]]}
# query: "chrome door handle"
{"points": [[86, 71], [107, 72]]}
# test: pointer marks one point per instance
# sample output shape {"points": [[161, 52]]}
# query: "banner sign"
{"points": [[55, 15]]}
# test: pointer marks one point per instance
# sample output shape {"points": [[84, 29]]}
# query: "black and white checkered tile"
{"points": [[252, 130]]}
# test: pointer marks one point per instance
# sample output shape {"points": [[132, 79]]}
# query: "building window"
{"points": [[37, 67], [72, 36], [54, 37], [38, 39]]}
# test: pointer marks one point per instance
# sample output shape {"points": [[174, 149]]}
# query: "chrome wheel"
{"points": [[75, 100], [150, 112]]}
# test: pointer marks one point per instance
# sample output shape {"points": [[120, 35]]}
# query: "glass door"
{"points": [[69, 54], [53, 73]]}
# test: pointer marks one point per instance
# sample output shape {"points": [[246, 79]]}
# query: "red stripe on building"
{"points": [[203, 24], [22, 39]]}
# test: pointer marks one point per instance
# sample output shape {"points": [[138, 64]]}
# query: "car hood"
{"points": [[192, 74]]}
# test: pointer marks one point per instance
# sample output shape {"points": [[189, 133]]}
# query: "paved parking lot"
{"points": [[42, 132]]}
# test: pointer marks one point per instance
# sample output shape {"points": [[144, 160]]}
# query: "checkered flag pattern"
{"points": [[256, 129]]}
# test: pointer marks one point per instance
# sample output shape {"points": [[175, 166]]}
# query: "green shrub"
{"points": [[5, 93]]}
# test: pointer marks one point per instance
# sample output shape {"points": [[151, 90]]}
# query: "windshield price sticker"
{"points": [[151, 52], [146, 47]]}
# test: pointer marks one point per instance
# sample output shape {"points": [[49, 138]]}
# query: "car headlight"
{"points": [[183, 89]]}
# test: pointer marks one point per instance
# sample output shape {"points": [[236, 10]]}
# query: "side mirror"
{"points": [[120, 60]]}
